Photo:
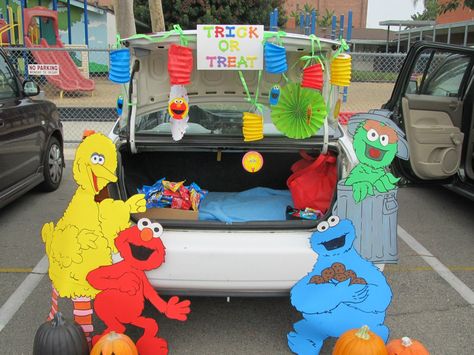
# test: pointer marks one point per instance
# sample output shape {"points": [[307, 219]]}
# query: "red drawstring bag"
{"points": [[313, 181]]}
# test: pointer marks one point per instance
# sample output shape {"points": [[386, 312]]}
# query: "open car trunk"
{"points": [[220, 172]]}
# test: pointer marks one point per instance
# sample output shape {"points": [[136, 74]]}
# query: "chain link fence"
{"points": [[86, 99], [76, 80]]}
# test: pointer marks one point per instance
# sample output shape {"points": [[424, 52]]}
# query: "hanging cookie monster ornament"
{"points": [[124, 287], [376, 140], [342, 292], [274, 95]]}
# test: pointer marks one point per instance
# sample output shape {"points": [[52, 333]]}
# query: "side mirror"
{"points": [[30, 88]]}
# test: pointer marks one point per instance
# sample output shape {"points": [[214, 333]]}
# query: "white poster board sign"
{"points": [[230, 47], [43, 69]]}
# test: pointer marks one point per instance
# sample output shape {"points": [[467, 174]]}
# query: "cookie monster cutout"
{"points": [[377, 140], [124, 287], [342, 292], [274, 95]]}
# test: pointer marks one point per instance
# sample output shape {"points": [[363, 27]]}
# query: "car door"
{"points": [[429, 104], [20, 131]]}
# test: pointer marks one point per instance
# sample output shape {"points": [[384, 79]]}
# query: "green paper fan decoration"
{"points": [[300, 112]]}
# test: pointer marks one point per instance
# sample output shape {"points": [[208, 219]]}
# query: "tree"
{"points": [[449, 5], [189, 13], [124, 18], [431, 12], [156, 16]]}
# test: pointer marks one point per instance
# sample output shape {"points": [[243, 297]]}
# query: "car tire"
{"points": [[53, 165]]}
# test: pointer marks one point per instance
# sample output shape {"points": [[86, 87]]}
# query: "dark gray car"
{"points": [[31, 137]]}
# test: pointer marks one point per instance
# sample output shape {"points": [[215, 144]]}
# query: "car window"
{"points": [[222, 119], [8, 83], [438, 73], [446, 80]]}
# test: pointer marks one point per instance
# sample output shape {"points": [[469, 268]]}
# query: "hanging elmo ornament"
{"points": [[178, 108]]}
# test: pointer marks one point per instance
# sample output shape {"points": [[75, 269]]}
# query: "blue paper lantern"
{"points": [[275, 58], [119, 71]]}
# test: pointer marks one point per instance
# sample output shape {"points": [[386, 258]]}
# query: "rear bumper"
{"points": [[222, 263]]}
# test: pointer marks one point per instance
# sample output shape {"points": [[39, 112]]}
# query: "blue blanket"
{"points": [[257, 204]]}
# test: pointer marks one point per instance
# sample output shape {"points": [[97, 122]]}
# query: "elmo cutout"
{"points": [[178, 108], [124, 287]]}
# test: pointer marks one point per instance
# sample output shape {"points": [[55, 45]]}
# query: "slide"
{"points": [[69, 78]]}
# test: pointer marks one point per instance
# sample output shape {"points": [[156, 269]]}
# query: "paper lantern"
{"points": [[300, 112], [252, 127], [180, 64], [120, 66], [313, 77], [275, 58], [341, 70]]}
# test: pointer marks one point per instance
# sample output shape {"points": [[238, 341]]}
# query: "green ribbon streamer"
{"points": [[310, 58], [253, 101], [278, 35], [344, 47]]}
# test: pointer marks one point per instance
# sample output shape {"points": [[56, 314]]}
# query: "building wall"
{"points": [[340, 7], [461, 14]]}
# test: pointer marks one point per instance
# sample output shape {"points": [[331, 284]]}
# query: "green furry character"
{"points": [[376, 142]]}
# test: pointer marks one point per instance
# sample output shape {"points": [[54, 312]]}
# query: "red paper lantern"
{"points": [[180, 64], [313, 77]]}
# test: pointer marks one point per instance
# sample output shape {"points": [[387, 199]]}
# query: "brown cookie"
{"points": [[338, 268], [340, 277], [328, 274], [316, 279], [359, 281], [351, 274]]}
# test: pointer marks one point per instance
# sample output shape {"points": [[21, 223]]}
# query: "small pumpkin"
{"points": [[58, 337], [406, 346], [114, 343], [360, 342]]}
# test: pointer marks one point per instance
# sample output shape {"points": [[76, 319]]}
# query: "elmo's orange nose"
{"points": [[146, 234]]}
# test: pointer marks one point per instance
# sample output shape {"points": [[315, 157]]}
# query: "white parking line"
{"points": [[442, 270], [17, 298]]}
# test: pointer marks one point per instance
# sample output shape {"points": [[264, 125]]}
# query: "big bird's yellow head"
{"points": [[95, 163]]}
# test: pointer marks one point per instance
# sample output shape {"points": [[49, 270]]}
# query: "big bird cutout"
{"points": [[83, 239]]}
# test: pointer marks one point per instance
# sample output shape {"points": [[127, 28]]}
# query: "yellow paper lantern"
{"points": [[341, 68], [252, 127]]}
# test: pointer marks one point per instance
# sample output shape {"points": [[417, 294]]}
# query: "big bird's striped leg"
{"points": [[83, 315], [54, 303]]}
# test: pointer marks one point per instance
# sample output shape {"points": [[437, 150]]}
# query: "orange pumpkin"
{"points": [[114, 343], [406, 346], [360, 342]]}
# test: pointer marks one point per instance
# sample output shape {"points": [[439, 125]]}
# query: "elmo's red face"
{"points": [[141, 246], [178, 108]]}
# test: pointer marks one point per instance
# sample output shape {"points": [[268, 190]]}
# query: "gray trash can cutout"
{"points": [[375, 222]]}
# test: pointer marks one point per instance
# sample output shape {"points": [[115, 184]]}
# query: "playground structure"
{"points": [[37, 29]]}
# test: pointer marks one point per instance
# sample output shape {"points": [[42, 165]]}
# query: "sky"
{"points": [[383, 10]]}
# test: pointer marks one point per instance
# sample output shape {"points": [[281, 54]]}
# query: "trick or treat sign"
{"points": [[229, 47]]}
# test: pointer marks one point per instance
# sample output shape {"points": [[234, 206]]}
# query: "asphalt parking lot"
{"points": [[425, 305]]}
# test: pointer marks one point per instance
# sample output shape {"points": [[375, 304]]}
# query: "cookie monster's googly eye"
{"points": [[101, 160], [95, 158], [372, 135], [143, 223], [384, 140], [323, 226], [157, 230], [333, 220]]}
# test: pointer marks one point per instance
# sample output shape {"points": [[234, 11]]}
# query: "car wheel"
{"points": [[53, 166]]}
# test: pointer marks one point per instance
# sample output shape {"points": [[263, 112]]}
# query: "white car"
{"points": [[213, 257]]}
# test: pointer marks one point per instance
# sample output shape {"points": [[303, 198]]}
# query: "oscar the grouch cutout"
{"points": [[377, 140]]}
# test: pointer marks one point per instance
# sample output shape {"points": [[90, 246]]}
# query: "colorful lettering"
{"points": [[241, 32], [253, 31], [231, 60], [211, 60], [221, 62], [219, 32], [208, 29], [251, 59], [223, 45], [229, 33], [241, 62], [234, 45]]}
